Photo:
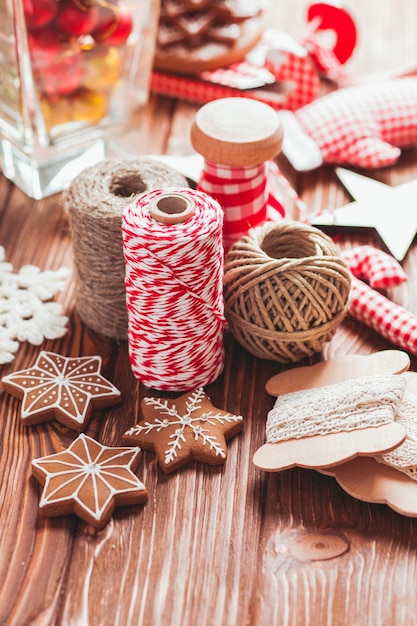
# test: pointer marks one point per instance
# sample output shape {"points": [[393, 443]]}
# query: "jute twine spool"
{"points": [[95, 202], [286, 290]]}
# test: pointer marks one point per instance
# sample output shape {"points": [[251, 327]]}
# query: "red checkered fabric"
{"points": [[280, 185], [276, 73], [375, 266], [326, 59], [245, 196], [388, 319], [364, 125], [298, 74], [243, 75], [195, 89], [372, 308]]}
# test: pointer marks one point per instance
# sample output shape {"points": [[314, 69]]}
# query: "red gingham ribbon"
{"points": [[255, 77], [372, 308], [378, 268], [174, 293], [244, 195], [390, 320]]}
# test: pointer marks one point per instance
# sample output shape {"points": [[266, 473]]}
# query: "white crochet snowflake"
{"points": [[25, 311]]}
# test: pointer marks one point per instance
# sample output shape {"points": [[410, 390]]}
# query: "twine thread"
{"points": [[95, 202], [286, 290], [174, 292]]}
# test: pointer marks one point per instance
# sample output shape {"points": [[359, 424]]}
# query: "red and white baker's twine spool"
{"points": [[246, 196], [174, 288]]}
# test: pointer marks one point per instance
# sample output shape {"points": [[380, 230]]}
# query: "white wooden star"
{"points": [[392, 211]]}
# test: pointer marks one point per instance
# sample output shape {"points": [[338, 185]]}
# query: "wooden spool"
{"points": [[324, 451], [370, 481], [171, 208], [237, 132]]}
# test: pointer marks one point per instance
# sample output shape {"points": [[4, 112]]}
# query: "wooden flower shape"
{"points": [[62, 388], [90, 480]]}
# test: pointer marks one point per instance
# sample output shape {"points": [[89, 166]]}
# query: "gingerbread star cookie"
{"points": [[90, 480], [62, 388], [185, 429]]}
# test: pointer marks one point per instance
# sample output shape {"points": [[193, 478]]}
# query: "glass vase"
{"points": [[73, 76]]}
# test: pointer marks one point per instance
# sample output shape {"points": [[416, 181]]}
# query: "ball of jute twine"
{"points": [[286, 290], [95, 202]]}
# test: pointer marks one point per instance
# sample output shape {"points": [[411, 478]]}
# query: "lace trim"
{"points": [[404, 457], [346, 406]]}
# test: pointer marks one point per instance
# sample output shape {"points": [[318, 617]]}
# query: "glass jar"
{"points": [[73, 75]]}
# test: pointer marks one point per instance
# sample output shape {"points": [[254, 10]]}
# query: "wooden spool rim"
{"points": [[171, 208], [238, 132]]}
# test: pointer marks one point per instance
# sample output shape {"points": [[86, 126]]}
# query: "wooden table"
{"points": [[213, 546]]}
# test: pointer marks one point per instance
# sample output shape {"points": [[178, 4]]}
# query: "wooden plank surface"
{"points": [[214, 546]]}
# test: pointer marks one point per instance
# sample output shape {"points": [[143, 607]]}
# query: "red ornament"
{"points": [[115, 25], [39, 13], [75, 17], [331, 17], [63, 77], [44, 47], [56, 65]]}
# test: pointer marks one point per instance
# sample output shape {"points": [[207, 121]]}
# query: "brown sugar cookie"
{"points": [[197, 35], [61, 388], [90, 480], [185, 429]]}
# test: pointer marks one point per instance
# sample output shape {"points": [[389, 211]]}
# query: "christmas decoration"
{"points": [[365, 125], [188, 428], [90, 480], [387, 209], [61, 388], [26, 313]]}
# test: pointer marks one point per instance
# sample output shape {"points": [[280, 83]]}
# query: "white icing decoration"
{"points": [[92, 470], [53, 374], [25, 313], [185, 421]]}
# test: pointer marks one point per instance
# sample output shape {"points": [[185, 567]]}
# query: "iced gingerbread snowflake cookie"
{"points": [[90, 480], [61, 388], [185, 429]]}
